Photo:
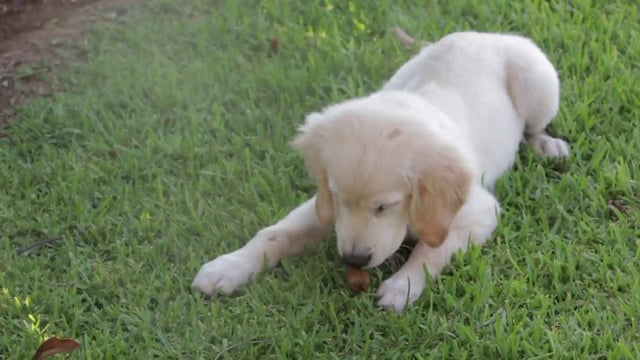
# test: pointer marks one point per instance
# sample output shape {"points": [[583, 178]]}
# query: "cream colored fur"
{"points": [[421, 154]]}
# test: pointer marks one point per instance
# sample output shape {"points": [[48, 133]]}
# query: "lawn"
{"points": [[169, 145]]}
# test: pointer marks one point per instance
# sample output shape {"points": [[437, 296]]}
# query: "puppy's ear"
{"points": [[440, 189], [324, 200], [309, 142]]}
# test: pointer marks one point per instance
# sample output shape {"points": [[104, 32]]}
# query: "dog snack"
{"points": [[357, 279]]}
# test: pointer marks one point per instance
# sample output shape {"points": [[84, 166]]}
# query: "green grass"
{"points": [[199, 114]]}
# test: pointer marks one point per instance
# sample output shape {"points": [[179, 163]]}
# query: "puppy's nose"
{"points": [[356, 260]]}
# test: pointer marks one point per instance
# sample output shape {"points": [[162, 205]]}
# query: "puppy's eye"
{"points": [[380, 209]]}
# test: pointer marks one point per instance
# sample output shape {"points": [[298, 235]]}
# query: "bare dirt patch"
{"points": [[32, 36]]}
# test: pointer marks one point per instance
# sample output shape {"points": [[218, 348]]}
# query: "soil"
{"points": [[33, 34]]}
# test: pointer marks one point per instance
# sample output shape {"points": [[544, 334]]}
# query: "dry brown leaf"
{"points": [[402, 36], [275, 45], [55, 346], [616, 206]]}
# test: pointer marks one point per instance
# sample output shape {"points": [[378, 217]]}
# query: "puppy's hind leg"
{"points": [[534, 89], [301, 228], [546, 145]]}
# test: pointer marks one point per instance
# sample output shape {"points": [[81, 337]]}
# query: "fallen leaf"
{"points": [[618, 205], [402, 36], [275, 45], [112, 15], [122, 11], [55, 346], [169, 121]]}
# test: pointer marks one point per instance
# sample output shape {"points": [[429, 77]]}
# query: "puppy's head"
{"points": [[383, 163]]}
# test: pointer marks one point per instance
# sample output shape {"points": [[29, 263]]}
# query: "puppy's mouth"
{"points": [[372, 259]]}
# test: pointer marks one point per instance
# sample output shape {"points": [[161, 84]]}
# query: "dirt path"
{"points": [[32, 33]]}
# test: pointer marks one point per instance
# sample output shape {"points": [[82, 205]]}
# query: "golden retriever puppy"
{"points": [[420, 155]]}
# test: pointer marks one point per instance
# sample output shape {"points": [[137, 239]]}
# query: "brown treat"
{"points": [[357, 279]]}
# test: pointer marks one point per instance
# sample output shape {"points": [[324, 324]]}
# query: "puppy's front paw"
{"points": [[225, 274], [546, 145], [399, 291]]}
